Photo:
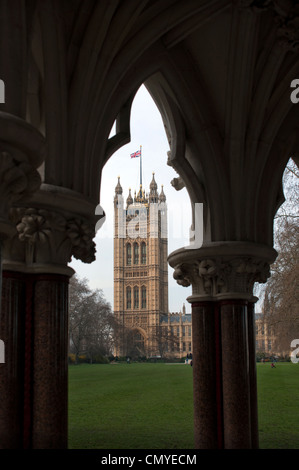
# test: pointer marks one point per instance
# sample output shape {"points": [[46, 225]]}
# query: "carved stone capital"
{"points": [[222, 270], [58, 226], [286, 16], [21, 152]]}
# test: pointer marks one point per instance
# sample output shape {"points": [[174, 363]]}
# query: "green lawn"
{"points": [[130, 406], [278, 401], [149, 406]]}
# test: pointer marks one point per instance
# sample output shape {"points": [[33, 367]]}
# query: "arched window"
{"points": [[143, 253], [129, 299], [143, 297], [136, 297], [129, 254], [136, 253]]}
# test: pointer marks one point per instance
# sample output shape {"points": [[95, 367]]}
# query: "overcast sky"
{"points": [[147, 130]]}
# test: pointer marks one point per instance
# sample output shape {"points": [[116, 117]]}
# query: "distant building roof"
{"points": [[176, 318]]}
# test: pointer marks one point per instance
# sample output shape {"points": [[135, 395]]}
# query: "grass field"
{"points": [[149, 406]]}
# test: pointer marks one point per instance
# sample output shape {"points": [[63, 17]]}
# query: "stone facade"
{"points": [[140, 269], [145, 327]]}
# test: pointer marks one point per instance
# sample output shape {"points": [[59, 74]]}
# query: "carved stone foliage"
{"points": [[221, 276], [45, 236], [286, 14], [22, 151], [18, 179]]}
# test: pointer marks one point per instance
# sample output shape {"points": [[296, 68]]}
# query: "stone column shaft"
{"points": [[33, 383], [252, 375], [206, 363], [49, 374], [12, 323], [235, 375]]}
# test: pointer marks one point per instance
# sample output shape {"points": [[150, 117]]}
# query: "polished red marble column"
{"points": [[12, 323], [33, 386], [252, 375], [49, 374], [207, 383], [235, 374]]}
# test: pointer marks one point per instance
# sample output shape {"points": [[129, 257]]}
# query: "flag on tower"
{"points": [[136, 154]]}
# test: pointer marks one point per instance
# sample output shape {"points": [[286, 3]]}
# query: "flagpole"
{"points": [[140, 166]]}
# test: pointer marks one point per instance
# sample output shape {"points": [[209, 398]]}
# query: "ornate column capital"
{"points": [[286, 15], [54, 225], [222, 270], [21, 152]]}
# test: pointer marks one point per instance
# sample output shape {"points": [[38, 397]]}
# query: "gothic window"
{"points": [[143, 253], [136, 297], [143, 297], [129, 302], [129, 254], [136, 253]]}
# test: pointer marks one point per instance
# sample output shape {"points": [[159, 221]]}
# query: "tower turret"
{"points": [[118, 191], [162, 197], [153, 194], [129, 198]]}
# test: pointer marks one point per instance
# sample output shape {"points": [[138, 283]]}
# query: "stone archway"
{"points": [[136, 344], [220, 73]]}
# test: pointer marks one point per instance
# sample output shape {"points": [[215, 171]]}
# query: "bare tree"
{"points": [[166, 341], [90, 320], [281, 293]]}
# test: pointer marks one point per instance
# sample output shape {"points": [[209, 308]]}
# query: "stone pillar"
{"points": [[252, 375], [235, 375], [222, 276], [206, 364], [33, 386], [35, 263], [48, 362], [11, 372], [21, 152]]}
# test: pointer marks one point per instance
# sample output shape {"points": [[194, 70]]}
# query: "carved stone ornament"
{"points": [[286, 15], [222, 275], [81, 235], [22, 151], [18, 179], [49, 237]]}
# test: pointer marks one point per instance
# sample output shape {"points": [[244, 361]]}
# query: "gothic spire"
{"points": [[162, 197], [129, 198], [118, 187], [153, 194]]}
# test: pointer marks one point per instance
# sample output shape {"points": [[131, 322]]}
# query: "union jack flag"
{"points": [[136, 154]]}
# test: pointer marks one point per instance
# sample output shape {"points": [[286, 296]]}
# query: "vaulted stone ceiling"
{"points": [[220, 73]]}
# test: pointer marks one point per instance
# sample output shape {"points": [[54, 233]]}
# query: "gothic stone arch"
{"points": [[220, 73]]}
